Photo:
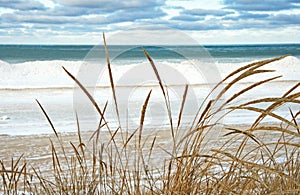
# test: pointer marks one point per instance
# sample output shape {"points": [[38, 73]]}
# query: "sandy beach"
{"points": [[37, 151]]}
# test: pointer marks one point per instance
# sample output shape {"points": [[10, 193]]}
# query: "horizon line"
{"points": [[207, 44]]}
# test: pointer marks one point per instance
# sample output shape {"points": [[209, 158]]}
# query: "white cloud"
{"points": [[215, 20], [246, 36]]}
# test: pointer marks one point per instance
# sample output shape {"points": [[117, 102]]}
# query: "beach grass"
{"points": [[259, 158]]}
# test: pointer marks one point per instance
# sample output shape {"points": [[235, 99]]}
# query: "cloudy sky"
{"points": [[207, 21]]}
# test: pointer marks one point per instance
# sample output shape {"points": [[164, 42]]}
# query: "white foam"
{"points": [[16, 113], [288, 68], [47, 74], [36, 74]]}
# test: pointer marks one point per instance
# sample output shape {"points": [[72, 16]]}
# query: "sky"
{"points": [[206, 21]]}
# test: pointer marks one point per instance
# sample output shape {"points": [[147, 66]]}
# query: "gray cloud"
{"points": [[243, 14], [247, 15], [246, 20], [211, 24], [198, 26], [76, 20], [200, 14], [286, 19], [31, 19], [186, 17], [64, 11], [82, 13], [207, 12], [22, 4], [260, 5], [53, 16], [111, 5]]}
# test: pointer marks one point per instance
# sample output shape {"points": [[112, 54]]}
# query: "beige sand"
{"points": [[38, 153]]}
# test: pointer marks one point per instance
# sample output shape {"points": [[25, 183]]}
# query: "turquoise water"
{"points": [[221, 53]]}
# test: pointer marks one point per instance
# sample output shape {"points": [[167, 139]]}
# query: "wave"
{"points": [[50, 74], [36, 74], [288, 68], [20, 116]]}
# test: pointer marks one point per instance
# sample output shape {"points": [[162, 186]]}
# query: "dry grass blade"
{"points": [[251, 70], [251, 136], [100, 125], [96, 106], [251, 165], [285, 144], [111, 80], [151, 148], [129, 138], [55, 132], [140, 155], [19, 173], [247, 68], [112, 139], [79, 158], [192, 132], [87, 94], [248, 89], [255, 65], [239, 78], [81, 145], [143, 114], [237, 131], [155, 71], [294, 120], [48, 118], [289, 191], [265, 112], [182, 105], [292, 89], [12, 171], [205, 112], [265, 100], [297, 114], [98, 110], [44, 182], [274, 129], [277, 104], [57, 169], [11, 176], [167, 102]]}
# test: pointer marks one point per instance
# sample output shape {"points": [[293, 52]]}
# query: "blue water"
{"points": [[221, 53]]}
